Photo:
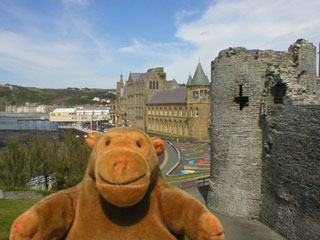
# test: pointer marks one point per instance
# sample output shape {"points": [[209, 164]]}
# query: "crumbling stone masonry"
{"points": [[244, 83], [290, 201]]}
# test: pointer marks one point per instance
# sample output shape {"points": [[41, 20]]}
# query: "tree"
{"points": [[72, 163], [42, 155], [66, 160], [13, 165]]}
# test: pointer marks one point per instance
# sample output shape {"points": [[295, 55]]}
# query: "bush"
{"points": [[65, 160]]}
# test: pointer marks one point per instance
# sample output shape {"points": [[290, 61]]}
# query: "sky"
{"points": [[90, 43]]}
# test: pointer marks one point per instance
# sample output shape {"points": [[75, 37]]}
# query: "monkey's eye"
{"points": [[138, 144], [108, 142]]}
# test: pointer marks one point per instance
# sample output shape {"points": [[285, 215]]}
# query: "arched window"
{"points": [[191, 112], [196, 112], [154, 85], [157, 85]]}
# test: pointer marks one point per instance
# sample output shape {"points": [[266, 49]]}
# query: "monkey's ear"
{"points": [[158, 145], [92, 139]]}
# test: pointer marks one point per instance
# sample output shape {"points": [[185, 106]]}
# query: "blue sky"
{"points": [[89, 43]]}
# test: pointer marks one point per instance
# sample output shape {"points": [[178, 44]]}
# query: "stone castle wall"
{"points": [[290, 200], [236, 136], [243, 84]]}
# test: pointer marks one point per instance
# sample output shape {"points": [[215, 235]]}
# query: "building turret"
{"points": [[189, 80], [198, 89], [199, 78]]}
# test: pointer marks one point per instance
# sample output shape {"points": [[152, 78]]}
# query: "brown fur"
{"points": [[122, 196]]}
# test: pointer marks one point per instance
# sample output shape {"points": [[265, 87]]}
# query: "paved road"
{"points": [[195, 157], [170, 159]]}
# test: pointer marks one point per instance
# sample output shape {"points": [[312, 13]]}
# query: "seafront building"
{"points": [[84, 114]]}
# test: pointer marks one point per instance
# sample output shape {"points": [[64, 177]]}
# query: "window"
{"points": [[195, 95], [196, 112], [154, 85], [157, 85], [203, 94], [243, 101], [191, 112]]}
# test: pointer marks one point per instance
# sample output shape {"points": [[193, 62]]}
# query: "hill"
{"points": [[17, 95]]}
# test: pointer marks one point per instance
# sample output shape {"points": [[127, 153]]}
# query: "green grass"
{"points": [[12, 188], [168, 136], [9, 211], [186, 177]]}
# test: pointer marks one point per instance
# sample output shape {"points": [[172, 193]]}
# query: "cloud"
{"points": [[183, 15], [53, 64], [134, 48], [75, 2], [71, 53], [260, 24], [76, 52]]}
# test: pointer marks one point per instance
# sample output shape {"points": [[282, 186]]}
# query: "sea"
{"points": [[25, 122]]}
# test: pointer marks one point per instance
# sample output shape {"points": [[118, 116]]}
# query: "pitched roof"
{"points": [[199, 78], [174, 95], [136, 76]]}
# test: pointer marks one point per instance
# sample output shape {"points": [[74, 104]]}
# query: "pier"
{"points": [[35, 124]]}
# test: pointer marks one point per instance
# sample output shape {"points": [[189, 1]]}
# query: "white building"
{"points": [[79, 114]]}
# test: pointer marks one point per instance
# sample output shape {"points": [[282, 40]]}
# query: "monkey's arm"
{"points": [[50, 218], [186, 215]]}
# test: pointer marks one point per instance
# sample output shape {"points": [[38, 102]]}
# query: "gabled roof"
{"points": [[137, 76], [199, 78], [174, 95]]}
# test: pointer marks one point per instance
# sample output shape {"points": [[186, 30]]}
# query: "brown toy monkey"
{"points": [[122, 196]]}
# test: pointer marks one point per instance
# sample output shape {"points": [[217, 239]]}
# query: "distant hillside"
{"points": [[65, 97]]}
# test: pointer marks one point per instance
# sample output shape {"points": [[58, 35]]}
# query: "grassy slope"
{"points": [[9, 211], [21, 95]]}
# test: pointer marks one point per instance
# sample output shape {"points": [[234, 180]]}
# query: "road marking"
{"points": [[165, 160]]}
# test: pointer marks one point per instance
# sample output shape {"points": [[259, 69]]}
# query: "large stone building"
{"points": [[181, 112], [133, 94], [149, 102], [265, 138]]}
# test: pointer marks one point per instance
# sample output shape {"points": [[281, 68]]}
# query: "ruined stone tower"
{"points": [[243, 83]]}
